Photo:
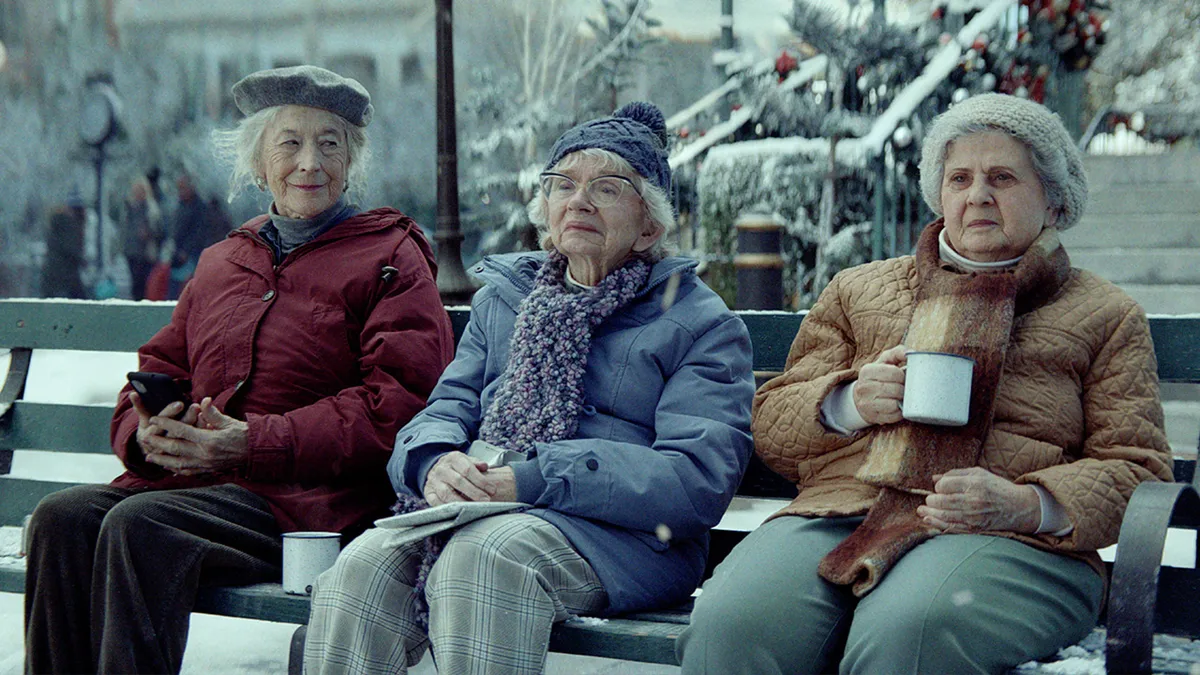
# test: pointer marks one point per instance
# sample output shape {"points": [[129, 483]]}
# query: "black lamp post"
{"points": [[453, 284]]}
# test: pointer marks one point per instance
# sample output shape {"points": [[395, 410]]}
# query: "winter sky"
{"points": [[701, 18]]}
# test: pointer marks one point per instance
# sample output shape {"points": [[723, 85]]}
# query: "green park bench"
{"points": [[1144, 597]]}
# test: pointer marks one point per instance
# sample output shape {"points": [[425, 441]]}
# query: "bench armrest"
{"points": [[1133, 590]]}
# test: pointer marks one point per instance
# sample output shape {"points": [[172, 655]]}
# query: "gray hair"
{"points": [[658, 204], [241, 147], [1055, 157]]}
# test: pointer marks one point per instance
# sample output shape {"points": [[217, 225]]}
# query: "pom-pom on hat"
{"points": [[637, 132], [304, 85], [1055, 155]]}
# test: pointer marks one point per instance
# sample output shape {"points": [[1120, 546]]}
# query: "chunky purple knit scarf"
{"points": [[542, 394]]}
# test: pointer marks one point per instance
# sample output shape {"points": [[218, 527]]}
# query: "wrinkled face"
{"points": [[992, 198], [603, 237], [304, 156]]}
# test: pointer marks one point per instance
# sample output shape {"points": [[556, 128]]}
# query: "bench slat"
{"points": [[12, 581], [771, 335], [1177, 348], [21, 495], [59, 427], [92, 326], [267, 602], [645, 641], [125, 326]]}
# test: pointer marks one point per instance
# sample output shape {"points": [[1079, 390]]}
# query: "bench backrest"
{"points": [[118, 326]]}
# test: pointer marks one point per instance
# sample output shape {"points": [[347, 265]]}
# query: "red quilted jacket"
{"points": [[325, 356]]}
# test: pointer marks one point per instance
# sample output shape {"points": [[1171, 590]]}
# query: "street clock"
{"points": [[98, 115]]}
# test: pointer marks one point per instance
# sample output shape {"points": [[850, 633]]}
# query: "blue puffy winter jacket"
{"points": [[663, 439]]}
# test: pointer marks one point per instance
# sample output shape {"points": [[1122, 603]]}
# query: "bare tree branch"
{"points": [[620, 39]]}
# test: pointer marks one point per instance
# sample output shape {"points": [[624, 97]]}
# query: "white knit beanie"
{"points": [[1055, 155]]}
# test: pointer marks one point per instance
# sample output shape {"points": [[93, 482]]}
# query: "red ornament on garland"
{"points": [[785, 64]]}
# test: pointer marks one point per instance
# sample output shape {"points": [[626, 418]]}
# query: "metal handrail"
{"points": [[907, 100], [1093, 127]]}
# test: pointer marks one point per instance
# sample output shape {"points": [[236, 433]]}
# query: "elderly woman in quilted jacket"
{"points": [[915, 548]]}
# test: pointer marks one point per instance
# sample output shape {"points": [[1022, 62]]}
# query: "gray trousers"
{"points": [[955, 604], [494, 594], [113, 573]]}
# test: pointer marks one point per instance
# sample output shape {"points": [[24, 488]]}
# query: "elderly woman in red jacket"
{"points": [[306, 339]]}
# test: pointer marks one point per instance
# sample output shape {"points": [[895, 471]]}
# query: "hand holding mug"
{"points": [[880, 387]]}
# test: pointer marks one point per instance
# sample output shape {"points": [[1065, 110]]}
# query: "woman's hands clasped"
{"points": [[977, 500], [880, 387], [458, 478], [202, 440]]}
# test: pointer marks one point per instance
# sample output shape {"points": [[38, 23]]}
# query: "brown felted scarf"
{"points": [[965, 313]]}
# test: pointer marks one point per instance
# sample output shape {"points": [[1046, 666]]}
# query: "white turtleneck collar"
{"points": [[951, 256], [571, 283]]}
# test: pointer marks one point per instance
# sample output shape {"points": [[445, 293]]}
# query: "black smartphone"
{"points": [[157, 390]]}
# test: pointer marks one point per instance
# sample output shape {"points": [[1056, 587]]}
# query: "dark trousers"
{"points": [[113, 573]]}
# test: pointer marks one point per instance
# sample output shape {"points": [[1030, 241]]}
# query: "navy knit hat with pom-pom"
{"points": [[637, 132]]}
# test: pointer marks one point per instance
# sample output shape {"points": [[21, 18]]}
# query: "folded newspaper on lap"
{"points": [[417, 525]]}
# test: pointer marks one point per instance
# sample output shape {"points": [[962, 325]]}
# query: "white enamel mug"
{"points": [[937, 388], [305, 556]]}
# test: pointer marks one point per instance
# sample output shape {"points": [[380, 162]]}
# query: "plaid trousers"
{"points": [[494, 594]]}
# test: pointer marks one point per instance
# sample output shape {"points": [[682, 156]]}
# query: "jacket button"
{"points": [[479, 268], [592, 465], [268, 295]]}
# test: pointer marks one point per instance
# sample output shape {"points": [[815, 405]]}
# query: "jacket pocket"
{"points": [[329, 340]]}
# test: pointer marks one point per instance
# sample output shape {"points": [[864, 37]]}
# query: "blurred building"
{"points": [[385, 44]]}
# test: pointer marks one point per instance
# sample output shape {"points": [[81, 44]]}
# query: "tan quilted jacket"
{"points": [[1078, 409]]}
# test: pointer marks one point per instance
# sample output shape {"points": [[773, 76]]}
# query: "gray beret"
{"points": [[1055, 155], [304, 85]]}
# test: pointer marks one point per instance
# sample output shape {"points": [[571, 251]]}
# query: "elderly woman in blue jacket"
{"points": [[618, 388]]}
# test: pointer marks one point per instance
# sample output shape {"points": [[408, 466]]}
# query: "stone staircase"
{"points": [[1141, 230]]}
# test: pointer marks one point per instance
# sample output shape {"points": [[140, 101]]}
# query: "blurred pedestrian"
{"points": [[64, 250], [189, 232], [216, 221], [141, 234]]}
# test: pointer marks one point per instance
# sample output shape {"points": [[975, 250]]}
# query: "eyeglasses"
{"points": [[601, 191]]}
